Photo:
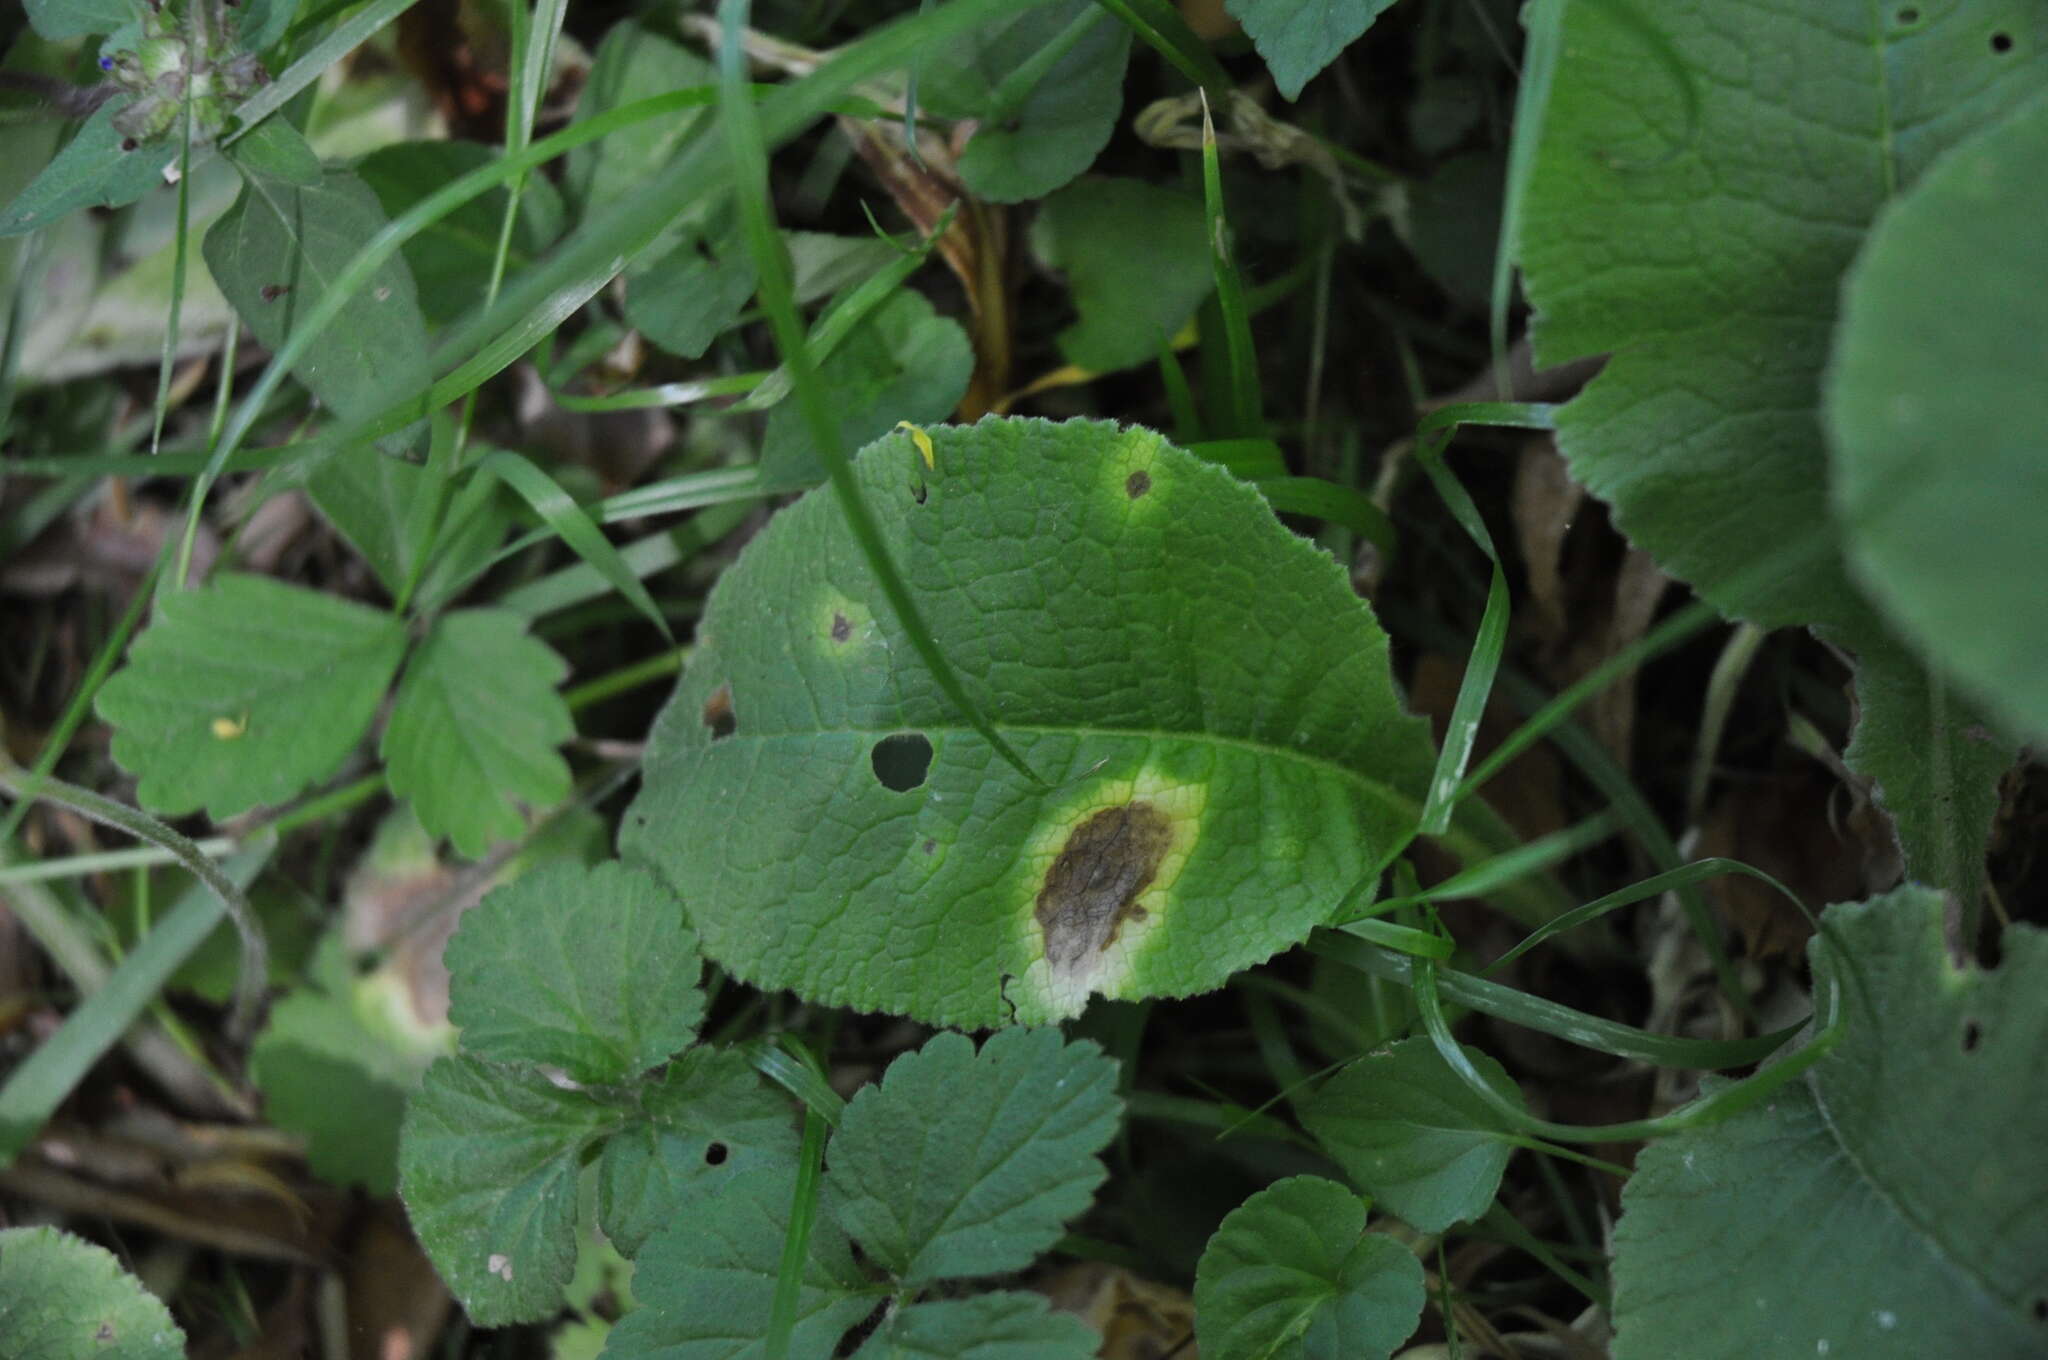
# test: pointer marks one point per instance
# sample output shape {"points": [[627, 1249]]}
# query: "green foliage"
{"points": [[1000, 1326], [1168, 659], [61, 1297], [245, 691], [1411, 1134], [933, 1196], [466, 754], [1292, 1274], [1130, 302], [1044, 88], [1662, 228], [1934, 405], [91, 171], [61, 19], [1873, 1207], [1298, 38]]}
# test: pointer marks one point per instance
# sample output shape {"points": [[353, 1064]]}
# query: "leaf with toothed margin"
{"points": [[1001, 1326], [61, 1296], [961, 1163], [1207, 703], [1695, 205], [1885, 1205]]}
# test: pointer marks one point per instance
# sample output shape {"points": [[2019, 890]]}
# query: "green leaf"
{"points": [[487, 1165], [632, 63], [61, 1296], [692, 295], [960, 1163], [999, 1326], [243, 692], [707, 1281], [1292, 1274], [1410, 1133], [57, 20], [1191, 681], [276, 150], [1298, 38], [590, 970], [91, 171], [276, 252], [1137, 258], [474, 728], [902, 362], [710, 1118], [1935, 407], [1660, 227], [451, 260], [1880, 1205], [1044, 87]]}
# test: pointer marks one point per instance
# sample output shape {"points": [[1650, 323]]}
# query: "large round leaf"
{"points": [[1206, 702], [1939, 414]]}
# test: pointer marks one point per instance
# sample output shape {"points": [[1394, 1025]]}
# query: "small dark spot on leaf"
{"points": [[271, 292], [2001, 43], [129, 144], [715, 1154], [2040, 1310], [841, 628], [718, 714], [1137, 484], [918, 491], [105, 1333], [901, 761], [1908, 15], [931, 847], [1093, 887], [1973, 1034]]}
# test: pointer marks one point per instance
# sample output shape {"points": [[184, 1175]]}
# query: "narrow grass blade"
{"points": [[1159, 26], [1247, 398], [1327, 500], [350, 34], [565, 517], [796, 1247]]}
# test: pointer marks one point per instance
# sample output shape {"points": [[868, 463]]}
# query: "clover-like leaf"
{"points": [[999, 1326], [1292, 1274], [1298, 38], [706, 1283], [1217, 749], [487, 1165], [902, 362], [1137, 258], [1935, 405], [474, 728], [1044, 88], [245, 691], [960, 1163], [1661, 228], [709, 1119], [1411, 1133], [1883, 1205], [61, 1297], [589, 969]]}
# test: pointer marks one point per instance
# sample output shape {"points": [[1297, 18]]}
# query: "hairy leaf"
{"points": [[243, 692], [474, 728], [999, 1326], [1881, 1205], [1292, 1274], [1206, 700], [1411, 1133], [61, 1296], [961, 1163]]}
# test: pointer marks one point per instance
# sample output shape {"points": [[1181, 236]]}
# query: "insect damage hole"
{"points": [[718, 715], [842, 627], [2001, 43], [1973, 1034], [1094, 884], [715, 1154], [901, 761]]}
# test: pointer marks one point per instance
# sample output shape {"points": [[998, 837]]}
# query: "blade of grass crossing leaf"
{"points": [[1330, 501], [1180, 398], [796, 1247], [773, 1060], [1402, 939], [1490, 875], [748, 150], [1544, 20], [566, 518], [347, 36], [35, 1089], [1159, 26], [167, 361], [1547, 1017], [1018, 84], [1247, 401]]}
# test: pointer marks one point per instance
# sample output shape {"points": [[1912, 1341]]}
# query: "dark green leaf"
{"points": [[1137, 258], [692, 295], [91, 171], [1298, 38], [999, 1326], [57, 20]]}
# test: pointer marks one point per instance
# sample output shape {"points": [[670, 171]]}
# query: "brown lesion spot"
{"points": [[718, 714], [842, 627], [1093, 886], [1137, 484]]}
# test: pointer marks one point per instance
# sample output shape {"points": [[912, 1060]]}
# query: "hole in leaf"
{"points": [[718, 714], [715, 1154], [1907, 15], [931, 847], [1973, 1034], [900, 761], [2040, 1310], [1137, 484], [841, 628], [2001, 43]]}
